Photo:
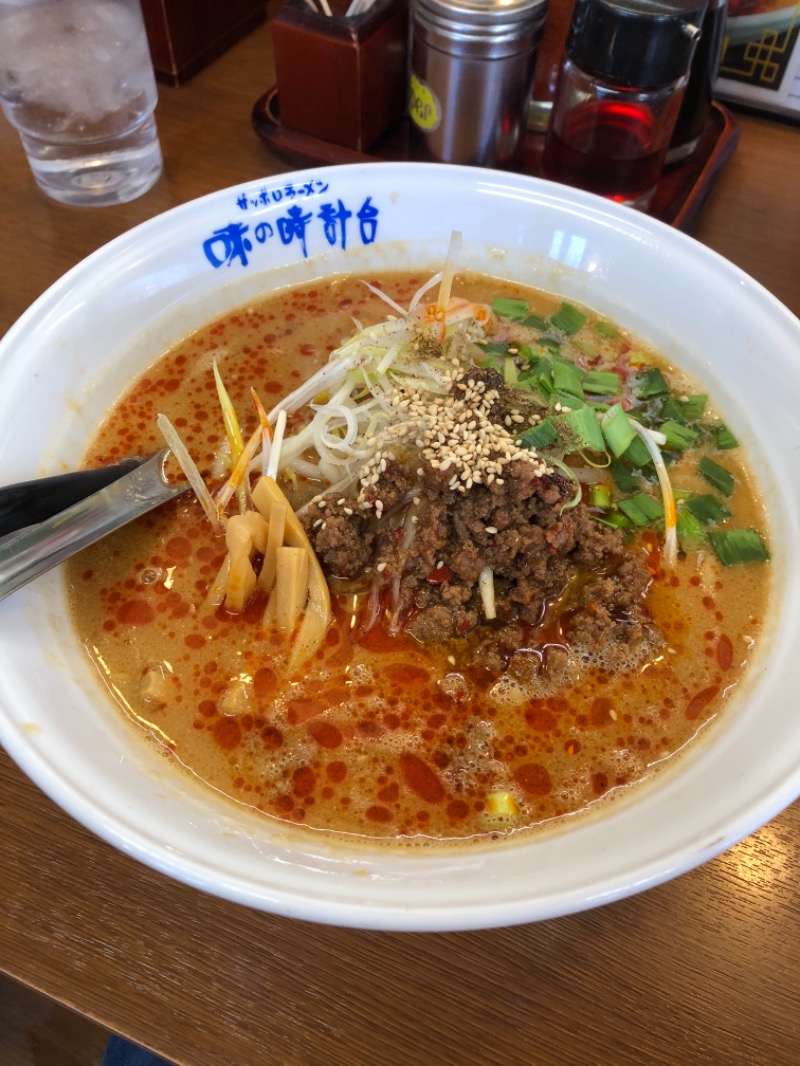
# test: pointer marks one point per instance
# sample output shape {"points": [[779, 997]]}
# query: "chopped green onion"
{"points": [[690, 531], [550, 344], [535, 322], [734, 546], [617, 430], [539, 436], [605, 329], [568, 400], [650, 383], [542, 382], [690, 409], [707, 509], [541, 364], [641, 509], [504, 307], [678, 437], [529, 377], [600, 496], [567, 378], [623, 478], [725, 439], [495, 347], [717, 476], [601, 382], [489, 362], [510, 375], [637, 454], [583, 423], [521, 350], [613, 519], [568, 319]]}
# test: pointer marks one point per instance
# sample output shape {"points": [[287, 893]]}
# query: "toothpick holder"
{"points": [[341, 79]]}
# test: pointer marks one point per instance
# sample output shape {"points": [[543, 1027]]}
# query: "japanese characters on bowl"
{"points": [[295, 213]]}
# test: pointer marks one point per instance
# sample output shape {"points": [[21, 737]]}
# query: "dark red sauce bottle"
{"points": [[619, 93]]}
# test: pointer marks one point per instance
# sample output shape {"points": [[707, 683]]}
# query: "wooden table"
{"points": [[703, 970]]}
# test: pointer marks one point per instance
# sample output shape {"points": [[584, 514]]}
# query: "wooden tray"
{"points": [[679, 198]]}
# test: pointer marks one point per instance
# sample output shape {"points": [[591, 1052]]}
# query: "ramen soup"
{"points": [[498, 563]]}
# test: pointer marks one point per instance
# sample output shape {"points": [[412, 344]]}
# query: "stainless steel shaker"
{"points": [[471, 72]]}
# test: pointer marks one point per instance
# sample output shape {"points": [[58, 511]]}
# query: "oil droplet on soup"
{"points": [[382, 736]]}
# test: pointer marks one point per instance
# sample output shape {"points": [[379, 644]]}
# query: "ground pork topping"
{"points": [[426, 555], [456, 433]]}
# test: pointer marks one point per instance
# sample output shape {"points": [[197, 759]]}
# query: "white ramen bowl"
{"points": [[83, 341]]}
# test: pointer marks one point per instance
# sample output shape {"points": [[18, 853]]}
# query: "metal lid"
{"points": [[485, 20], [644, 44]]}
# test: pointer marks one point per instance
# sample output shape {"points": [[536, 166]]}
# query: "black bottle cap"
{"points": [[643, 44]]}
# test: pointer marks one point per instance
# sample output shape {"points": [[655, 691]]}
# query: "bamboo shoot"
{"points": [[277, 531], [317, 617], [291, 588]]}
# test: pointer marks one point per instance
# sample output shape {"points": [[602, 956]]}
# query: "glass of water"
{"points": [[77, 83]]}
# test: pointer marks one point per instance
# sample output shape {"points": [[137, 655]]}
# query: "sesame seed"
{"points": [[380, 567], [491, 530]]}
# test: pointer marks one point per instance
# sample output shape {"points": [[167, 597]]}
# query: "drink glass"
{"points": [[77, 83]]}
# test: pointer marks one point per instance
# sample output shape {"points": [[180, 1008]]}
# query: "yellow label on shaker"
{"points": [[423, 107]]}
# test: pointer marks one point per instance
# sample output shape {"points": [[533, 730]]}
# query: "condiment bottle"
{"points": [[699, 95], [618, 96], [471, 70]]}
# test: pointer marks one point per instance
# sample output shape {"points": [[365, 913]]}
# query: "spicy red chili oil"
{"points": [[381, 736]]}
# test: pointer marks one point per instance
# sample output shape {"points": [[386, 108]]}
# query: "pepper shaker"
{"points": [[619, 93], [471, 72]]}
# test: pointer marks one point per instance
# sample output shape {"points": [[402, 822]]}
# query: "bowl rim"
{"points": [[408, 916]]}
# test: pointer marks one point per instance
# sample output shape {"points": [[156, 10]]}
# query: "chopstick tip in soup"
{"points": [[485, 562]]}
